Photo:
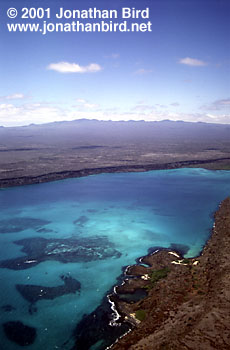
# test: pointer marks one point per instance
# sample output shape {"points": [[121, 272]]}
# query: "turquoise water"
{"points": [[107, 221]]}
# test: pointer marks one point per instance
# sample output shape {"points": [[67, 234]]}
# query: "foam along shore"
{"points": [[188, 300]]}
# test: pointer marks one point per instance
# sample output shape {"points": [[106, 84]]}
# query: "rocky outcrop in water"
{"points": [[66, 250], [34, 293], [20, 224], [8, 308], [19, 333]]}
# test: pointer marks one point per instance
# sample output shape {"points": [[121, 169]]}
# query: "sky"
{"points": [[177, 70]]}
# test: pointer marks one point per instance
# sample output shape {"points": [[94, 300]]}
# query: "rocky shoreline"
{"points": [[61, 175], [187, 305]]}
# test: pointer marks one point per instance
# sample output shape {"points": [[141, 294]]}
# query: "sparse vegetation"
{"points": [[185, 261], [140, 315], [157, 275]]}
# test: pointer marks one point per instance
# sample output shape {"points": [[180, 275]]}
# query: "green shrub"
{"points": [[157, 275], [140, 315], [186, 261]]}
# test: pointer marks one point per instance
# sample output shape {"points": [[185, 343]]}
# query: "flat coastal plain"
{"points": [[47, 152]]}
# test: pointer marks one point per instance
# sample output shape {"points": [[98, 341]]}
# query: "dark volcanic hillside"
{"points": [[69, 147], [190, 307]]}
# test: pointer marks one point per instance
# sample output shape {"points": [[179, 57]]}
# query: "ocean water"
{"points": [[64, 243]]}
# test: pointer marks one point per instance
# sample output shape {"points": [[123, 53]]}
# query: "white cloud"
{"points": [[142, 71], [85, 104], [25, 114], [38, 113], [217, 105], [66, 67], [81, 100], [7, 108], [160, 105], [17, 96], [143, 108], [114, 56], [192, 62], [225, 102]]}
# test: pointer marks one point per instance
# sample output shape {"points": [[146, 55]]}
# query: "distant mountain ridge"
{"points": [[85, 120]]}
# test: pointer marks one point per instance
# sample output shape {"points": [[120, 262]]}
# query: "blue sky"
{"points": [[180, 70]]}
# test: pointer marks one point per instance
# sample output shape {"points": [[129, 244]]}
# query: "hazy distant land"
{"points": [[39, 153]]}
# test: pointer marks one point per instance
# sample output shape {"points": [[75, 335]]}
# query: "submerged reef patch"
{"points": [[21, 224], [182, 249], [33, 293], [44, 230], [8, 308], [20, 333], [154, 236], [81, 221], [66, 250]]}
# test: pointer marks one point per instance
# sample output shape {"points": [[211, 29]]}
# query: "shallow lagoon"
{"points": [[88, 229]]}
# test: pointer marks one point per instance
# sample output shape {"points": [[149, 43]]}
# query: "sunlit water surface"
{"points": [[122, 214]]}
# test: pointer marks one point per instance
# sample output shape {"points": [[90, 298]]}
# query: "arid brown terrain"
{"points": [[39, 153], [189, 306]]}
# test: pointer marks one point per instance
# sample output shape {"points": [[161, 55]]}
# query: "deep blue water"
{"points": [[84, 231]]}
